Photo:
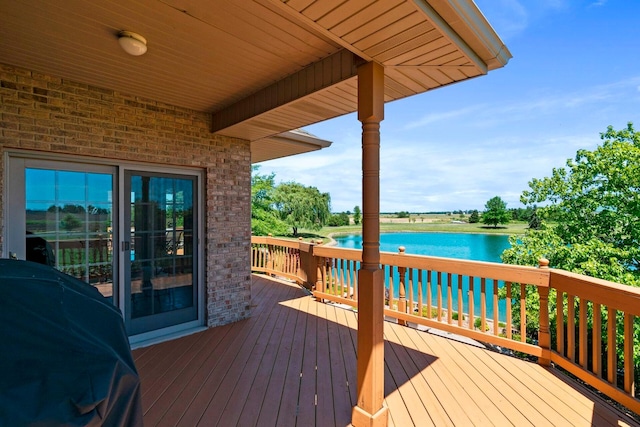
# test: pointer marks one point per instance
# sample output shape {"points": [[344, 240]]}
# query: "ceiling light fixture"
{"points": [[132, 43]]}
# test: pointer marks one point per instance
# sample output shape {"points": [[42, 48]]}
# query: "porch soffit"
{"points": [[226, 57], [422, 45]]}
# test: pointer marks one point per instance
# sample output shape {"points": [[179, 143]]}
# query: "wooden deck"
{"points": [[294, 363]]}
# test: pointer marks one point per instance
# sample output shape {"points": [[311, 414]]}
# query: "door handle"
{"points": [[126, 246]]}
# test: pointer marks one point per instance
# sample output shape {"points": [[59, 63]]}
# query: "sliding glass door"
{"points": [[62, 215], [160, 266], [131, 234]]}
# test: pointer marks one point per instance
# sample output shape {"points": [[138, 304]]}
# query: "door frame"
{"points": [[126, 245], [14, 192]]}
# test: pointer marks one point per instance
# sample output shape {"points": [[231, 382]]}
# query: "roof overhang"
{"points": [[286, 144], [260, 67]]}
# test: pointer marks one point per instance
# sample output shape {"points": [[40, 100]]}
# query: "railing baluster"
{"points": [[402, 289], [508, 290], [343, 279], [523, 313], [285, 260], [337, 276], [355, 281], [582, 344], [391, 287], [472, 318], [483, 304], [460, 304], [429, 295], [329, 275], [420, 295], [410, 282], [439, 290], [596, 366], [571, 328], [560, 323], [495, 307], [629, 378], [611, 346], [449, 299], [350, 279]]}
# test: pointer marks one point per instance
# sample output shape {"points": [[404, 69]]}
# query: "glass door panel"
{"points": [[160, 263], [69, 218]]}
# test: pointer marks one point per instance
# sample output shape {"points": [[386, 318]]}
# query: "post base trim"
{"points": [[362, 418]]}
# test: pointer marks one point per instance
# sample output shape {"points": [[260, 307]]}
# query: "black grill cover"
{"points": [[64, 354]]}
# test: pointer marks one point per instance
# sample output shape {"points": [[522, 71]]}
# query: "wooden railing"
{"points": [[486, 302], [89, 260], [608, 321]]}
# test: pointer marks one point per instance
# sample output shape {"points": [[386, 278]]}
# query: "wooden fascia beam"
{"points": [[327, 72], [467, 20], [449, 33]]}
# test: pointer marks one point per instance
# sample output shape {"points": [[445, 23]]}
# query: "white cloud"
{"points": [[442, 116], [525, 108], [598, 3]]}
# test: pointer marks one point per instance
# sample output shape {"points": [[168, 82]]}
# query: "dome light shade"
{"points": [[132, 43]]}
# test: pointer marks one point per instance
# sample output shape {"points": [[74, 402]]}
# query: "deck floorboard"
{"points": [[293, 363]]}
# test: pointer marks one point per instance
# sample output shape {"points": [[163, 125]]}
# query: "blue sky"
{"points": [[575, 70]]}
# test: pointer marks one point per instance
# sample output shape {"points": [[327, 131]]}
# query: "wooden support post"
{"points": [[321, 281], [271, 262], [544, 336], [307, 268], [370, 410], [402, 289]]}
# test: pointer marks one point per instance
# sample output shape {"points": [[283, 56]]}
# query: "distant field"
{"points": [[436, 223]]}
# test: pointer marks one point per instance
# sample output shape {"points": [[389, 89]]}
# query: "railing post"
{"points": [[402, 293], [270, 258], [307, 269], [544, 336], [320, 278]]}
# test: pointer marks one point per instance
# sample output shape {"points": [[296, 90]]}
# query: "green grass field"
{"points": [[419, 223]]}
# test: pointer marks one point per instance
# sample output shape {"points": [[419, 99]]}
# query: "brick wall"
{"points": [[43, 113]]}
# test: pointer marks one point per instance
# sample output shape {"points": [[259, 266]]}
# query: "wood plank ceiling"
{"points": [[261, 67]]}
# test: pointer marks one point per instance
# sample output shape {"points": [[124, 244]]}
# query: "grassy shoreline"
{"points": [[327, 233]]}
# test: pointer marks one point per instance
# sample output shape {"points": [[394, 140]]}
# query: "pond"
{"points": [[476, 247]]}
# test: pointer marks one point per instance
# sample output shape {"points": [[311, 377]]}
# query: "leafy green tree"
{"points": [[70, 222], [264, 218], [403, 214], [357, 215], [595, 204], [302, 207], [338, 220], [496, 212], [474, 218], [595, 201], [521, 214], [535, 222]]}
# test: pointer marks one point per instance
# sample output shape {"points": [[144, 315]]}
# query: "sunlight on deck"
{"points": [[294, 363]]}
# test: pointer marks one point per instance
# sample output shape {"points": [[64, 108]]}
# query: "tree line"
{"points": [[282, 209]]}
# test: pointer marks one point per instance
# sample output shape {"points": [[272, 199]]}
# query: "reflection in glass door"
{"points": [[69, 223], [160, 266]]}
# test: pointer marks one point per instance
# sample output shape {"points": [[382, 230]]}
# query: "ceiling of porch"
{"points": [[260, 67]]}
